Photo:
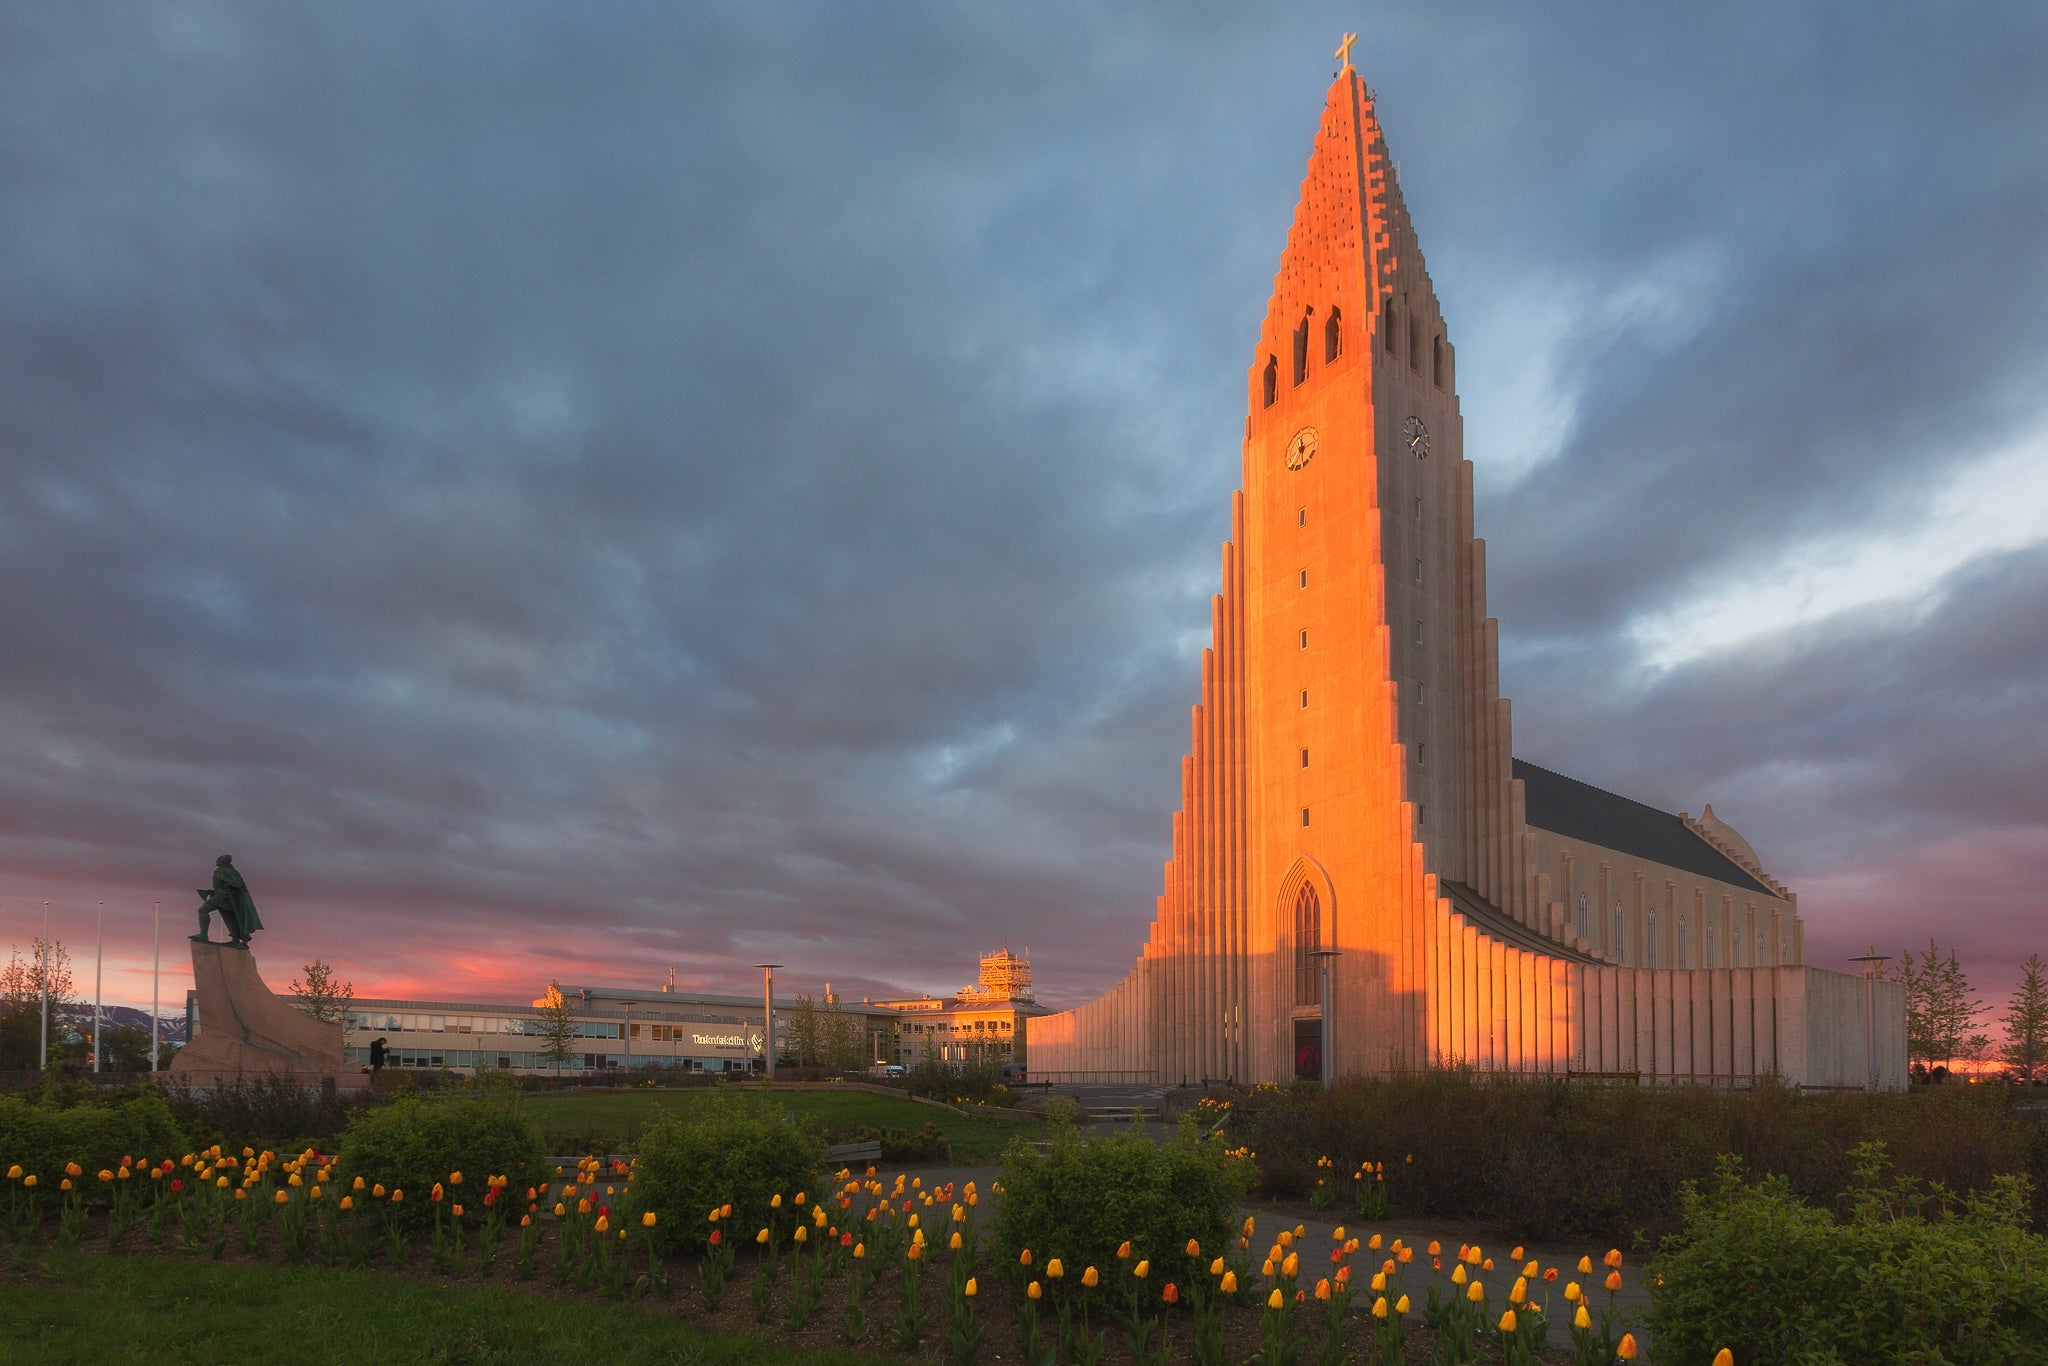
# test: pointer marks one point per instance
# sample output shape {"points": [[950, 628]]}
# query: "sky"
{"points": [[570, 492]]}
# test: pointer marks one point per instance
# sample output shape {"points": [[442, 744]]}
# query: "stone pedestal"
{"points": [[245, 1030]]}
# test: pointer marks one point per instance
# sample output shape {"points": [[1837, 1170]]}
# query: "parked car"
{"points": [[1013, 1071]]}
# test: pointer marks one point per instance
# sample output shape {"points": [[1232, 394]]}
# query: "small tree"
{"points": [[1919, 985], [1955, 1011], [2026, 1022], [324, 997], [21, 1000], [558, 1028], [804, 1035]]}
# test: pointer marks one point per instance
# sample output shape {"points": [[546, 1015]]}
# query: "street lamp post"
{"points": [[1323, 965], [1872, 962], [768, 1014]]}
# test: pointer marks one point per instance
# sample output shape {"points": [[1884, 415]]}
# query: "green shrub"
{"points": [[262, 1112], [411, 1144], [95, 1135], [1904, 1276], [1078, 1199], [740, 1152]]}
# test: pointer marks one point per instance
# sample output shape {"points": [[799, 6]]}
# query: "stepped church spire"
{"points": [[1349, 787]]}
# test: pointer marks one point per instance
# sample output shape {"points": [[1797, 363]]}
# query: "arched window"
{"points": [[1272, 379], [1387, 324], [1414, 343], [1308, 937], [1333, 337], [1301, 350], [1438, 357]]}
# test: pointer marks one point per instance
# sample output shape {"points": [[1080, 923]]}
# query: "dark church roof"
{"points": [[1580, 811]]}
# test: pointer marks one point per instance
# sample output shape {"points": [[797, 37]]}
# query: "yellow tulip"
{"points": [[915, 1252], [761, 1237], [1613, 1281], [1572, 1292], [1091, 1278], [1123, 1251], [1401, 1305], [860, 1252], [775, 1201], [1374, 1242], [1613, 1257], [1291, 1266], [358, 1184], [1626, 1348], [1194, 1248], [14, 1172], [1507, 1321], [1379, 1281], [397, 1196], [604, 1224], [1458, 1276], [1275, 1300], [1379, 1307], [647, 1219], [952, 1243], [1229, 1283], [560, 1209], [1724, 1357], [1585, 1266], [282, 1197], [1032, 1292], [348, 1202], [1323, 1290], [1024, 1257], [1216, 1267], [801, 1233], [1475, 1292], [1519, 1291], [1141, 1269], [1053, 1270], [1582, 1319], [970, 1289]]}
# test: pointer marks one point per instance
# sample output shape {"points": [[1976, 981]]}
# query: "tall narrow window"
{"points": [[1579, 922], [1308, 937], [1304, 640], [1272, 379], [1304, 758], [1387, 324], [1414, 343], [1301, 350], [1304, 815], [1418, 571], [1304, 697], [1301, 516], [1437, 360], [1422, 756], [1333, 337], [1304, 578]]}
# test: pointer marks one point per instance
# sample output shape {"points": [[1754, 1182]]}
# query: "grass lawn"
{"points": [[83, 1308], [571, 1121]]}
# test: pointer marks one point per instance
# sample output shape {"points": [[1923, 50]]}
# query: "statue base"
{"points": [[244, 1031]]}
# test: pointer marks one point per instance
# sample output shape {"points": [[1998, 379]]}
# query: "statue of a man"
{"points": [[230, 896]]}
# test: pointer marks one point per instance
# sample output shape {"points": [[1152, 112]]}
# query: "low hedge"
{"points": [[1906, 1275], [743, 1154], [42, 1138], [411, 1144]]}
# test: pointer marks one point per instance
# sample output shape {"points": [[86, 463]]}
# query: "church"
{"points": [[1363, 878]]}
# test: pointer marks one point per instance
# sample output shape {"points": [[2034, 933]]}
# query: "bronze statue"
{"points": [[230, 896]]}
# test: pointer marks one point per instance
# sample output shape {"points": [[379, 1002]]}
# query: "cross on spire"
{"points": [[1343, 52]]}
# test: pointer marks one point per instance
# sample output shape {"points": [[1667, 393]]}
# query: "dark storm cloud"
{"points": [[652, 485]]}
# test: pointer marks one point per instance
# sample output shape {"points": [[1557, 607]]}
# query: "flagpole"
{"points": [[156, 968], [99, 960], [44, 1058]]}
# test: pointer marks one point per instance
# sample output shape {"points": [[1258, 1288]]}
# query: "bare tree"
{"points": [[325, 998]]}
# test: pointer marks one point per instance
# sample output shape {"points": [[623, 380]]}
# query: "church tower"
{"points": [[1351, 812]]}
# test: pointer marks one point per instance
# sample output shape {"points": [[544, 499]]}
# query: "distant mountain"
{"points": [[170, 1030]]}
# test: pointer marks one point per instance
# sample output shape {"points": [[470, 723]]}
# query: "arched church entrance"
{"points": [[1307, 908]]}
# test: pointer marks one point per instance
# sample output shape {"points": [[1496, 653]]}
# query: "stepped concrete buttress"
{"points": [[244, 1030]]}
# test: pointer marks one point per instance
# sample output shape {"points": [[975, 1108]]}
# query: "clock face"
{"points": [[1302, 448], [1417, 437]]}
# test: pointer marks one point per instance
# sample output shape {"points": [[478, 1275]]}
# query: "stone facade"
{"points": [[245, 1031], [1350, 784]]}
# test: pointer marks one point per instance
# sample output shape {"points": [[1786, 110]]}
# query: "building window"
{"points": [[1308, 937], [1417, 510], [1418, 630], [1421, 756], [1304, 758], [1422, 814], [1272, 386], [1304, 640], [1437, 353], [1387, 324], [1579, 920], [1418, 571], [1301, 517], [1301, 350], [1304, 578], [1304, 697], [1304, 815], [1333, 337]]}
